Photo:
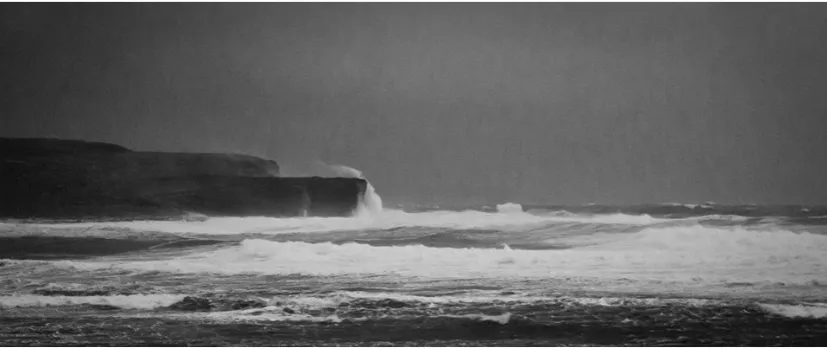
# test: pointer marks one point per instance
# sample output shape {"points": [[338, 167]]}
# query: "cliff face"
{"points": [[44, 178]]}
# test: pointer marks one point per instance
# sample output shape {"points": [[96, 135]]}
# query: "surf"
{"points": [[370, 203], [679, 256]]}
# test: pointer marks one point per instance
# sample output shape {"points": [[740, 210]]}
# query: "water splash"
{"points": [[509, 208], [370, 203]]}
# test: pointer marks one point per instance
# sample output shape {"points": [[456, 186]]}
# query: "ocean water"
{"points": [[489, 264]]}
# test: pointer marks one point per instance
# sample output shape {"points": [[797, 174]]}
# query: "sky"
{"points": [[553, 103]]}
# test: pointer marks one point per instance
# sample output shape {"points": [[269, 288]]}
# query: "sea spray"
{"points": [[370, 203], [509, 208]]}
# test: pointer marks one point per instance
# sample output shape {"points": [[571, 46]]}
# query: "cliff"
{"points": [[62, 179]]}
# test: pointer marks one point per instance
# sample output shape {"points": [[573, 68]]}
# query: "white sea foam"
{"points": [[797, 311], [148, 301], [300, 308], [509, 208], [277, 314], [685, 253], [333, 300], [270, 313], [501, 319], [511, 219], [328, 307], [694, 255], [336, 298], [624, 219], [675, 204], [722, 217]]}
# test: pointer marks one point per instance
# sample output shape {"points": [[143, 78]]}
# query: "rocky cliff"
{"points": [[62, 179]]}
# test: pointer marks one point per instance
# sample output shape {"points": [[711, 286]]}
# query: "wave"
{"points": [[662, 253], [695, 255], [511, 220], [524, 230], [796, 311], [147, 302], [509, 208], [708, 249], [360, 306], [374, 299], [676, 210], [334, 300]]}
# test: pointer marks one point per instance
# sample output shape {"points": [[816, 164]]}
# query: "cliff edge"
{"points": [[66, 179]]}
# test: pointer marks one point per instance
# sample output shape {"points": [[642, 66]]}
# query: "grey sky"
{"points": [[540, 103]]}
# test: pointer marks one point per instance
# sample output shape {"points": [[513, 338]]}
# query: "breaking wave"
{"points": [[719, 252], [690, 255], [509, 208], [797, 311], [370, 203], [360, 306], [150, 301]]}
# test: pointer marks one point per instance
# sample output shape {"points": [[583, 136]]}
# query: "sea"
{"points": [[498, 274]]}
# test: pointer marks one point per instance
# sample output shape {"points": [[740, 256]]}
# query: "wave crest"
{"points": [[694, 255]]}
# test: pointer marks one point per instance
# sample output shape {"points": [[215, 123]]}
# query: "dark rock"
{"points": [[192, 304], [739, 284], [384, 303], [49, 147], [103, 307], [394, 304], [288, 310], [313, 312], [61, 179], [246, 304]]}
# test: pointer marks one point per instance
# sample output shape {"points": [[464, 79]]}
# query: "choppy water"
{"points": [[430, 262]]}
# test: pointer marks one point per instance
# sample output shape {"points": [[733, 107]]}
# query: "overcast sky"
{"points": [[446, 103]]}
